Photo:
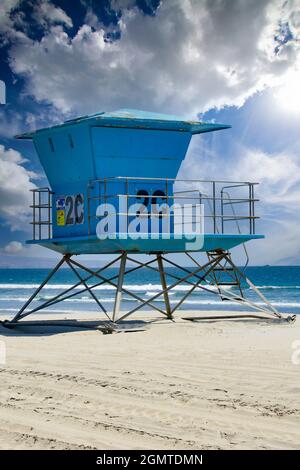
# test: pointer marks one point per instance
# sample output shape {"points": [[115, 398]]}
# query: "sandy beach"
{"points": [[181, 385]]}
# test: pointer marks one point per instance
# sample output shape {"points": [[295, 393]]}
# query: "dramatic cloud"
{"points": [[45, 14], [41, 14], [189, 57], [2, 92], [14, 122], [6, 7], [13, 247], [15, 185], [278, 175]]}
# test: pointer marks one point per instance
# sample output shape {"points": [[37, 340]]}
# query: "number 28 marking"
{"points": [[74, 209], [151, 200]]}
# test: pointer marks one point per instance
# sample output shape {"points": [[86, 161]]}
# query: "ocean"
{"points": [[280, 284]]}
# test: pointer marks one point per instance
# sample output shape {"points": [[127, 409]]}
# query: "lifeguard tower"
{"points": [[112, 172]]}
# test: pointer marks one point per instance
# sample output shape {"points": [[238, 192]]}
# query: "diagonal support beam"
{"points": [[263, 298], [173, 276], [241, 300], [193, 277], [211, 268], [224, 293], [62, 295], [147, 302], [88, 289], [50, 275], [137, 297]]}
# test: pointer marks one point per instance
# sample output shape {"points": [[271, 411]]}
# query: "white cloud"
{"points": [[15, 185], [13, 247], [14, 122], [6, 7], [44, 14], [278, 175], [189, 57], [2, 92], [120, 5]]}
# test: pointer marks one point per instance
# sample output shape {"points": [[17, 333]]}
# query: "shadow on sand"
{"points": [[48, 327]]}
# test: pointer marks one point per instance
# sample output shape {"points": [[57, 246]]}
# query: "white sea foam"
{"points": [[133, 287], [278, 287], [158, 299]]}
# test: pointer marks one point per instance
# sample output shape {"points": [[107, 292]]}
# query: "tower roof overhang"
{"points": [[135, 119]]}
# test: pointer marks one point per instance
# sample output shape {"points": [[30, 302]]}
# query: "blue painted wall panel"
{"points": [[68, 162], [75, 154], [135, 152], [69, 158]]}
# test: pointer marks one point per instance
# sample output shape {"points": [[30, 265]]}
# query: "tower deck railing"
{"points": [[229, 207], [41, 213]]}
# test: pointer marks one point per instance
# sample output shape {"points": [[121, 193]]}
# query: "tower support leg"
{"points": [[164, 286], [118, 297], [254, 288], [201, 277], [265, 307]]}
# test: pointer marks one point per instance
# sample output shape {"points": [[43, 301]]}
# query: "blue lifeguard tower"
{"points": [[113, 190]]}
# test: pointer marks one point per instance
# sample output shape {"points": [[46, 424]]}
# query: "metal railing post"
{"points": [[214, 207], [49, 214], [216, 200], [253, 209], [127, 217], [33, 210], [250, 209], [88, 209], [222, 212], [40, 225]]}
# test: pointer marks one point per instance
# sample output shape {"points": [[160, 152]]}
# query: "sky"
{"points": [[230, 61]]}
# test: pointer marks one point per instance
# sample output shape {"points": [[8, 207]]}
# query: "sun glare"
{"points": [[288, 95]]}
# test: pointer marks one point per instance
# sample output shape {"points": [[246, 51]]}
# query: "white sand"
{"points": [[224, 385]]}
